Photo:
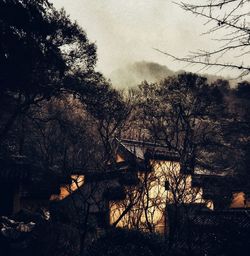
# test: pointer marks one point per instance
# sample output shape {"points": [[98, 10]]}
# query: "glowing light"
{"points": [[119, 158], [76, 182], [240, 200], [151, 206]]}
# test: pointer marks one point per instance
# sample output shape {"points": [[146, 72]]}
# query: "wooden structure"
{"points": [[25, 185], [215, 191], [101, 191]]}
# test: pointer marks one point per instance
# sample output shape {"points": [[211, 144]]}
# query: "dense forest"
{"points": [[60, 116]]}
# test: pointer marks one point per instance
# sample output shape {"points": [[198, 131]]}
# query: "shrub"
{"points": [[123, 242]]}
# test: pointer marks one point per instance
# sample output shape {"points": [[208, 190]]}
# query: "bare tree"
{"points": [[228, 21], [183, 115]]}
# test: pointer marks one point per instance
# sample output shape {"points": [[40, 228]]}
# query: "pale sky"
{"points": [[126, 31]]}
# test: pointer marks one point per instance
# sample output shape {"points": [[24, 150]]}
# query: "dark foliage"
{"points": [[47, 238], [64, 117], [41, 51], [56, 239], [121, 242], [34, 37]]}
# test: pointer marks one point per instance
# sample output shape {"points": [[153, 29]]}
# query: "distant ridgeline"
{"points": [[133, 74]]}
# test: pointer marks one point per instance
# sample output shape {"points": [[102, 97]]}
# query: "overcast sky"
{"points": [[126, 31]]}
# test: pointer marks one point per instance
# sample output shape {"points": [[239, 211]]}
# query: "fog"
{"points": [[127, 31]]}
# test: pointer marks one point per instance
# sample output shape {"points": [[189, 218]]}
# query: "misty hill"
{"points": [[133, 74]]}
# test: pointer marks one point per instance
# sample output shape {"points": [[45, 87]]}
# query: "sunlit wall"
{"points": [[145, 205]]}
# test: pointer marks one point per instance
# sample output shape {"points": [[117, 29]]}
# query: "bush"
{"points": [[56, 239], [122, 242]]}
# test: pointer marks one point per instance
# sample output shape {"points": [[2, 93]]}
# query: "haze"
{"points": [[126, 31]]}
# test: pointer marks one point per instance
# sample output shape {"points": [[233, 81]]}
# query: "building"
{"points": [[163, 182], [24, 185], [166, 182], [137, 191]]}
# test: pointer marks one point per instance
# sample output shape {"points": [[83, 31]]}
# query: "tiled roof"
{"points": [[142, 149]]}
